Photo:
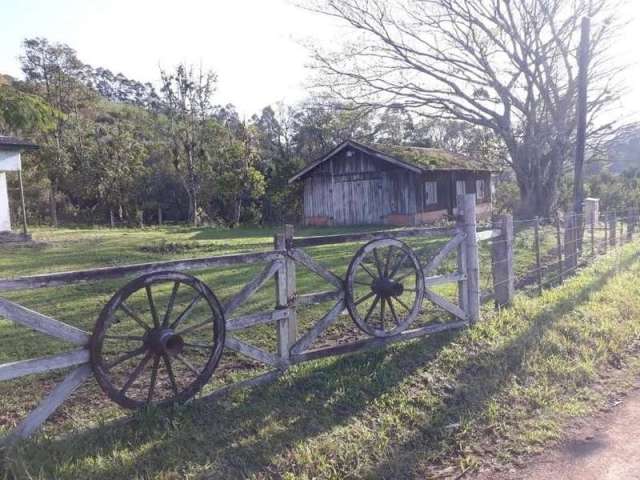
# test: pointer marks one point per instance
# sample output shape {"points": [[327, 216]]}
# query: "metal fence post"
{"points": [[473, 266], [502, 261], [286, 295]]}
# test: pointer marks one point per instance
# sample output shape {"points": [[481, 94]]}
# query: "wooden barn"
{"points": [[357, 184]]}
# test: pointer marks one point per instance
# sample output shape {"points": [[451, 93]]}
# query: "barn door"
{"points": [[357, 202]]}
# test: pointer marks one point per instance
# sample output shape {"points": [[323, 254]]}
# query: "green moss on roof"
{"points": [[430, 158]]}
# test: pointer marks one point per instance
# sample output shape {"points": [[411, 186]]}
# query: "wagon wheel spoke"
{"points": [[408, 274], [393, 312], [195, 327], [388, 259], [169, 368], [378, 262], [358, 282], [366, 297], [172, 301], [382, 302], [397, 299], [187, 364], [154, 379], [372, 275], [185, 313], [152, 307], [136, 373], [127, 356], [134, 316], [398, 264], [373, 305]]}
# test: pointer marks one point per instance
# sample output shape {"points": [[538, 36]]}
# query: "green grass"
{"points": [[424, 408]]}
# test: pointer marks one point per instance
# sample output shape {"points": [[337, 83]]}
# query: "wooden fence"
{"points": [[289, 255]]}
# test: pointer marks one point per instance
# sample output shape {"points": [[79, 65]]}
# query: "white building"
{"points": [[10, 162]]}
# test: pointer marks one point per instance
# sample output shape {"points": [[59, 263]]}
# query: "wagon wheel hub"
{"points": [[387, 288], [164, 341]]}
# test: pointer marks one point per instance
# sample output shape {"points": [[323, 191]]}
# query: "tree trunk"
{"points": [[160, 216], [537, 197], [237, 211], [53, 208], [112, 218]]}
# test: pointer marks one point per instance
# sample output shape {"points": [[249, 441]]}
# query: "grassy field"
{"points": [[431, 407]]}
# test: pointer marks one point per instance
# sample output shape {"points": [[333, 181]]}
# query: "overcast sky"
{"points": [[253, 45]]}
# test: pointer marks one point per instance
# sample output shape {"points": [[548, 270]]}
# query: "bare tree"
{"points": [[506, 65]]}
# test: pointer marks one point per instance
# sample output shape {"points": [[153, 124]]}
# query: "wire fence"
{"points": [[546, 251]]}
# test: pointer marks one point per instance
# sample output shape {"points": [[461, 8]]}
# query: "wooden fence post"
{"points": [[502, 261], [606, 233], [472, 262], [461, 258], [286, 295]]}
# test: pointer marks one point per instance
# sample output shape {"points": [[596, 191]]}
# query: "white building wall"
{"points": [[5, 217], [9, 161]]}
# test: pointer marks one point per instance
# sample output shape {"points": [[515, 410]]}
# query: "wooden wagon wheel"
{"points": [[158, 340], [385, 287]]}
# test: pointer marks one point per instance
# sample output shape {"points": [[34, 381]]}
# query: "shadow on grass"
{"points": [[242, 435], [482, 377]]}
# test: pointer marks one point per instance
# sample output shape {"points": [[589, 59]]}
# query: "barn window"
{"points": [[481, 193], [460, 187], [430, 193]]}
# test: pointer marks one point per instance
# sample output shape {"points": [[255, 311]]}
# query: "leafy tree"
{"points": [[187, 103], [53, 70]]}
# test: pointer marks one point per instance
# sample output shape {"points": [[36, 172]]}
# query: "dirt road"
{"points": [[605, 448]]}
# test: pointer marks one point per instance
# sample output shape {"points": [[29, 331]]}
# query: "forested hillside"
{"points": [[118, 151]]}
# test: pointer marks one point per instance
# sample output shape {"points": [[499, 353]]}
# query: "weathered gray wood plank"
{"points": [[305, 259], [314, 332], [370, 343], [42, 323], [43, 364], [58, 395], [69, 278], [488, 234], [251, 351], [366, 236], [473, 263], [251, 287], [444, 252], [445, 304], [442, 279], [247, 321]]}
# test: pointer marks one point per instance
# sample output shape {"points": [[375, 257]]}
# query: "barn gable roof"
{"points": [[415, 159], [13, 143]]}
